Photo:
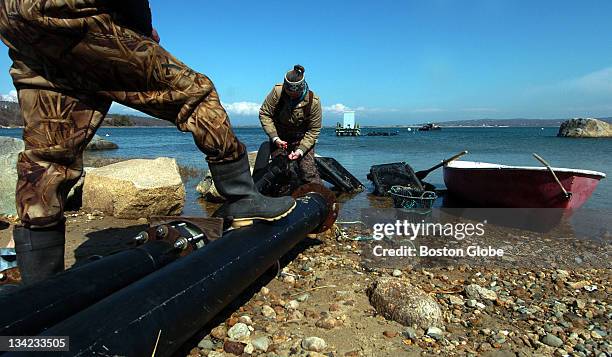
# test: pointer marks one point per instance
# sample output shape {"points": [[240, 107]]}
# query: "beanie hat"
{"points": [[294, 80]]}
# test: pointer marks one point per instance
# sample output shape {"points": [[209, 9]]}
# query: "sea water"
{"points": [[421, 150]]}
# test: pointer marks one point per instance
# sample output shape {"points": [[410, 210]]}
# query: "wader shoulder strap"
{"points": [[308, 108]]}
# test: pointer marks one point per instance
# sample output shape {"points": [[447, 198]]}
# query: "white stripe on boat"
{"points": [[457, 164]]}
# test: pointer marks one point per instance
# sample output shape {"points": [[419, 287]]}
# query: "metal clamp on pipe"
{"points": [[36, 307]]}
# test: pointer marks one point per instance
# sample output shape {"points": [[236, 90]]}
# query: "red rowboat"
{"points": [[493, 185]]}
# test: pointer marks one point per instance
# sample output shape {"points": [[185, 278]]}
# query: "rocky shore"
{"points": [[328, 300]]}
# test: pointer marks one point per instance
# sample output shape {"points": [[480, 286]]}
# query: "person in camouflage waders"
{"points": [[291, 116], [71, 60]]}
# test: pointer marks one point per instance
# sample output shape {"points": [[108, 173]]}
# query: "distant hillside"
{"points": [[511, 122], [10, 116]]}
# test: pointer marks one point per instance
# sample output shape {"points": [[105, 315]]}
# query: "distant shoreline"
{"points": [[329, 127]]}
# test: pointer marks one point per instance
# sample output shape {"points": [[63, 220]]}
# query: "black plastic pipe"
{"points": [[179, 299], [29, 310]]}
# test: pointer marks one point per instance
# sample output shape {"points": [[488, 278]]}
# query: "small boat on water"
{"points": [[430, 127], [494, 185]]}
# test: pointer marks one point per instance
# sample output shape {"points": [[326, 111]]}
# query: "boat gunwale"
{"points": [[479, 165]]}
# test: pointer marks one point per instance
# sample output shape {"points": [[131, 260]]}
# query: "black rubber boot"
{"points": [[244, 203], [40, 252]]}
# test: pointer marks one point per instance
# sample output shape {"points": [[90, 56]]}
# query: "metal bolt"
{"points": [[141, 237], [181, 243], [162, 231]]}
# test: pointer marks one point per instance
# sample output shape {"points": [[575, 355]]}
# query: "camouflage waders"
{"points": [[70, 61]]}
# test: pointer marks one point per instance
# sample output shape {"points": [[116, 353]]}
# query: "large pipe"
{"points": [[164, 309], [30, 309]]}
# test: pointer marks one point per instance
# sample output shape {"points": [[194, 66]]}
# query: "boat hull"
{"points": [[516, 187]]}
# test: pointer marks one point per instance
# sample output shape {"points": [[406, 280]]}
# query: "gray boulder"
{"points": [[97, 143], [9, 151], [585, 128], [407, 304], [135, 188]]}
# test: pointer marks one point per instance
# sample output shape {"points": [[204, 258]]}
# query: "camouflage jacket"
{"points": [[289, 123]]}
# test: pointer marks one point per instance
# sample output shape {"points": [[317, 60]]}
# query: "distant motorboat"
{"points": [[430, 127]]}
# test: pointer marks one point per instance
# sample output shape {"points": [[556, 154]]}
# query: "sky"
{"points": [[398, 62]]}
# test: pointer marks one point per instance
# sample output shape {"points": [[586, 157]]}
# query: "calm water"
{"points": [[419, 149]]}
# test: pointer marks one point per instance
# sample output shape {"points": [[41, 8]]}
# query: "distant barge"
{"points": [[348, 127]]}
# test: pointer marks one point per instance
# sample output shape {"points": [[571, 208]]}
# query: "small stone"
{"points": [[294, 315], [302, 297], [398, 300], [289, 279], [311, 314], [409, 333], [315, 344], [552, 340], [335, 307], [239, 332], [580, 303], [455, 300], [327, 323], [206, 344], [390, 334], [292, 305], [435, 333], [261, 343], [216, 354], [245, 319], [397, 273], [475, 291], [578, 284], [249, 349], [471, 303], [264, 291], [235, 348], [268, 312], [562, 274], [219, 332]]}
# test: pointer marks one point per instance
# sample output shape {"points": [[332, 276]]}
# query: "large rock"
{"points": [[585, 128], [207, 189], [135, 188], [399, 301], [97, 143], [9, 150]]}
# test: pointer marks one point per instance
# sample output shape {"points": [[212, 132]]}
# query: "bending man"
{"points": [[291, 116]]}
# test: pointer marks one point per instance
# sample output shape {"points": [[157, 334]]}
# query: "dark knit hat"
{"points": [[294, 80]]}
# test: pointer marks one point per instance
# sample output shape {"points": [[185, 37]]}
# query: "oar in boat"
{"points": [[423, 173], [567, 194]]}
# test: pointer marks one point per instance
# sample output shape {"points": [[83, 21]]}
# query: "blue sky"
{"points": [[399, 62]]}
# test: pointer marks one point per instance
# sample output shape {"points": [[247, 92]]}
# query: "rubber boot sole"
{"points": [[244, 222]]}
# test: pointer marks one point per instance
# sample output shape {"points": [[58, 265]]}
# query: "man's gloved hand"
{"points": [[280, 143], [295, 155]]}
